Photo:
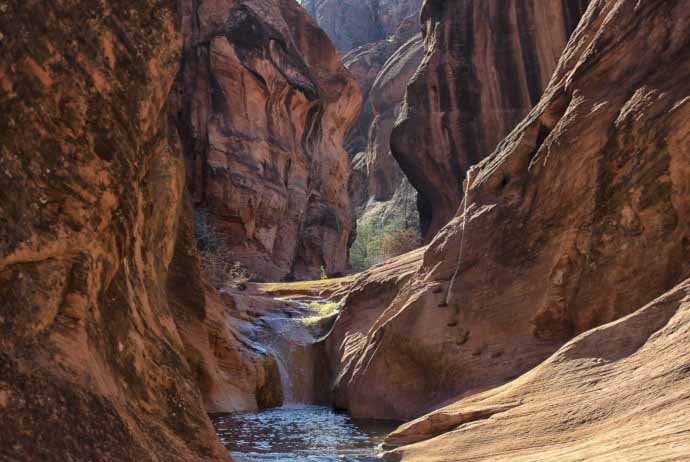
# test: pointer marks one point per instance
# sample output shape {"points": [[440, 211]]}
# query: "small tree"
{"points": [[378, 240]]}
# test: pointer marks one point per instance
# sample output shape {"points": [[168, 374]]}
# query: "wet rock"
{"points": [[290, 334]]}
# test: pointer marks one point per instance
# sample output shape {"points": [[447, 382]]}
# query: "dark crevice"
{"points": [[543, 133]]}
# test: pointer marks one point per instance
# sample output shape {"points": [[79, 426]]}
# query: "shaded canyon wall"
{"points": [[264, 103], [92, 363], [382, 48], [485, 66]]}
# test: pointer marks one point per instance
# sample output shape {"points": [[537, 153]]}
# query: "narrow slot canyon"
{"points": [[344, 230]]}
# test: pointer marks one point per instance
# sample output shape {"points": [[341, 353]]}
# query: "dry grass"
{"points": [[302, 286]]}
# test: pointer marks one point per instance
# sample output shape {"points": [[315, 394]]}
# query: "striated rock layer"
{"points": [[485, 66], [92, 363], [262, 104], [578, 218]]}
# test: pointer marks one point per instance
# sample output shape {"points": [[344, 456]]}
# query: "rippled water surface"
{"points": [[300, 434]]}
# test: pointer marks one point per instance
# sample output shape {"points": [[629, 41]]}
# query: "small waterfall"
{"points": [[293, 335]]}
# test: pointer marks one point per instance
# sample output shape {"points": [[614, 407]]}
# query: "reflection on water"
{"points": [[300, 434]]}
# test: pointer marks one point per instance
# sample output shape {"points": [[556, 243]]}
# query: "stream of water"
{"points": [[299, 431]]}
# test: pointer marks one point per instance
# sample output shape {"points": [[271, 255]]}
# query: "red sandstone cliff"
{"points": [[92, 364], [577, 219], [111, 344], [264, 103], [486, 65]]}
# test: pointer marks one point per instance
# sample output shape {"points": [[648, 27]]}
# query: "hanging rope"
{"points": [[462, 238]]}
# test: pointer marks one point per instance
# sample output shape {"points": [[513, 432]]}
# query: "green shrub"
{"points": [[378, 240]]}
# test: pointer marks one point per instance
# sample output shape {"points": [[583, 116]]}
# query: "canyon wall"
{"points": [[263, 105], [378, 187], [365, 63], [485, 66], [382, 49], [92, 364], [231, 371], [577, 219], [113, 345], [353, 23]]}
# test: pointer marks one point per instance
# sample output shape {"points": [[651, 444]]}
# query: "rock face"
{"points": [[618, 392], [364, 301], [92, 363], [353, 23], [264, 107], [232, 373], [384, 49], [365, 63], [486, 65], [577, 219], [381, 173]]}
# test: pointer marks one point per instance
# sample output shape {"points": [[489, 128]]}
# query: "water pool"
{"points": [[300, 433]]}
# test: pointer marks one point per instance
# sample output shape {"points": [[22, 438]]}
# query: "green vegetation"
{"points": [[322, 310], [378, 240]]}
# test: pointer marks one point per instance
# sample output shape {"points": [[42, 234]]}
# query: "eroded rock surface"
{"points": [[617, 392], [486, 65], [264, 103], [578, 218], [353, 23], [92, 365]]}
